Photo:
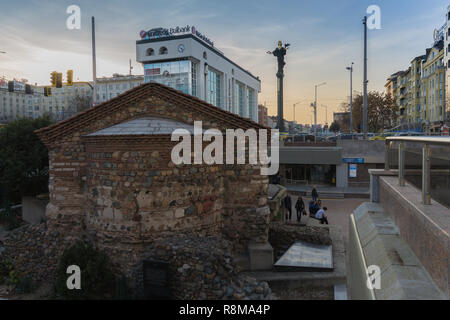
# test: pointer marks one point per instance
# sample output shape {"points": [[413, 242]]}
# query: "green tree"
{"points": [[335, 127], [23, 161]]}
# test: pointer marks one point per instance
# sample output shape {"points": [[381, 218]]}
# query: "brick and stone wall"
{"points": [[34, 250], [124, 191], [202, 268]]}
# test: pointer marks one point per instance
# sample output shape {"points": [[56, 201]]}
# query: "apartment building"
{"points": [[17, 100], [419, 91], [107, 88], [433, 89]]}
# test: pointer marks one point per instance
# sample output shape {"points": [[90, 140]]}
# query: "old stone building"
{"points": [[111, 176]]}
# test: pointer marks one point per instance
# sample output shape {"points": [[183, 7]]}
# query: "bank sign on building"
{"points": [[186, 60]]}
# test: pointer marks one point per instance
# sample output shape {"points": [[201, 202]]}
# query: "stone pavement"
{"points": [[330, 192], [339, 211]]}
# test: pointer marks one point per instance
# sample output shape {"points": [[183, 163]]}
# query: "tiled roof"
{"points": [[137, 94], [144, 126]]}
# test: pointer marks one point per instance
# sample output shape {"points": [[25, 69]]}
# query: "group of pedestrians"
{"points": [[316, 211]]}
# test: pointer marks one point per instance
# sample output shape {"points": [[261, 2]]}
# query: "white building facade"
{"points": [[107, 88], [16, 101], [186, 60]]}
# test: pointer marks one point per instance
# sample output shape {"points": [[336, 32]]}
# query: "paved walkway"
{"points": [[328, 190], [339, 211]]}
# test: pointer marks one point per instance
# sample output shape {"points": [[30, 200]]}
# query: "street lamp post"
{"points": [[351, 97], [296, 104], [365, 80], [315, 108]]}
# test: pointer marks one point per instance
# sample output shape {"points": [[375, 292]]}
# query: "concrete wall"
{"points": [[425, 229], [342, 175], [310, 155], [375, 243], [371, 151]]}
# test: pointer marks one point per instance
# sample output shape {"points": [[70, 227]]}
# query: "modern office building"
{"points": [[186, 60], [107, 88]]}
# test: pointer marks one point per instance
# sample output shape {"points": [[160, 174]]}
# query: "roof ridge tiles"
{"points": [[139, 93]]}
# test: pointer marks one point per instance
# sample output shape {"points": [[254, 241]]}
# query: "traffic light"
{"points": [[59, 80], [53, 78], [69, 77], [47, 91]]}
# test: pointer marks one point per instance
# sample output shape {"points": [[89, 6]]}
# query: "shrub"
{"points": [[24, 160], [5, 268], [9, 217], [97, 279], [25, 285]]}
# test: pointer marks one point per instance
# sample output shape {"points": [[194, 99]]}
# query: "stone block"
{"points": [[33, 210], [179, 213], [261, 256]]}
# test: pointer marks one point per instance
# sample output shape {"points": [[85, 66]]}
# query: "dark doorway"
{"points": [[156, 280], [306, 174]]}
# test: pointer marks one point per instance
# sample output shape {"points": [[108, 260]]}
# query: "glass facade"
{"points": [[239, 98], [175, 74], [250, 103], [213, 88]]}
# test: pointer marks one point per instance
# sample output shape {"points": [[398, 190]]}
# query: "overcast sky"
{"points": [[325, 37]]}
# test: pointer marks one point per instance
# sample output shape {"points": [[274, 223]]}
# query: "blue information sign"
{"points": [[353, 160]]}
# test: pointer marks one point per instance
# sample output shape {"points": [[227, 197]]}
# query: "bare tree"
{"points": [[382, 111], [78, 103]]}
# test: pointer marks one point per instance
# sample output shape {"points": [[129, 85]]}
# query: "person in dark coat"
{"points": [[300, 206], [312, 206], [314, 194], [288, 206]]}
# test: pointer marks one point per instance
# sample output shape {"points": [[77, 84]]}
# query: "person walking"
{"points": [[300, 206], [322, 215], [314, 194], [288, 206]]}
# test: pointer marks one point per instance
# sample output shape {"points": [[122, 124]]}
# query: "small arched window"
{"points": [[150, 52], [205, 55], [163, 50]]}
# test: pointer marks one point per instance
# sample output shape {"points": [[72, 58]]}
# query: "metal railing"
{"points": [[427, 142]]}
